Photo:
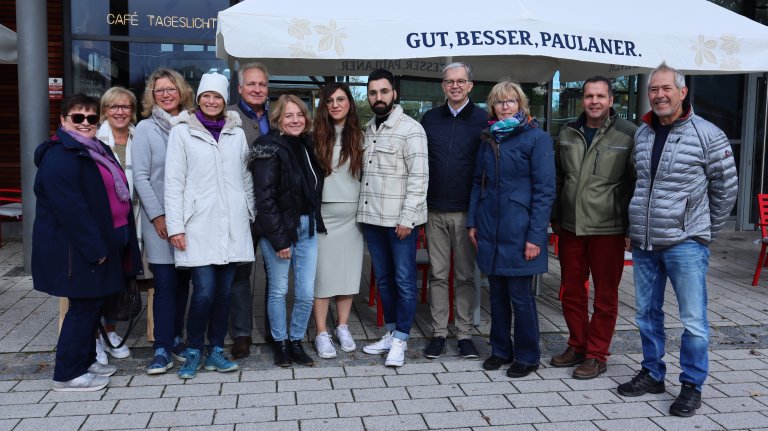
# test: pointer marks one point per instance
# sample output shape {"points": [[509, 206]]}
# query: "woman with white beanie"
{"points": [[208, 206]]}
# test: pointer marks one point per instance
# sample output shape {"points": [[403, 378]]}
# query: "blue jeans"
{"points": [[517, 292], [304, 262], [209, 306], [170, 303], [394, 264], [686, 266]]}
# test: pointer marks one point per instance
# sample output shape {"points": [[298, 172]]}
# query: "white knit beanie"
{"points": [[214, 82]]}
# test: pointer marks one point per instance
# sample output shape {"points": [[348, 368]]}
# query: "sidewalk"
{"points": [[355, 391]]}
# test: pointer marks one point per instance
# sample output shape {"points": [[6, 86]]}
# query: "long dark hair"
{"points": [[325, 133]]}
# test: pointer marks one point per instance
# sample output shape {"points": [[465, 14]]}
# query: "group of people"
{"points": [[202, 183]]}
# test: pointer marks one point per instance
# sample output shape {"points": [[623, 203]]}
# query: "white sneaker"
{"points": [[396, 355], [381, 346], [101, 355], [102, 370], [345, 338], [324, 346], [85, 383], [122, 352]]}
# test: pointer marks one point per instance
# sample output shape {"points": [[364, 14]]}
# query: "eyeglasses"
{"points": [[124, 108], [500, 103], [79, 118], [384, 92], [339, 101], [460, 82], [170, 90]]}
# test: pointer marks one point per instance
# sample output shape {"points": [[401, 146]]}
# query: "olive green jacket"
{"points": [[595, 184]]}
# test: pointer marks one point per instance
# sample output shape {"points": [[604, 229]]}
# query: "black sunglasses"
{"points": [[79, 118]]}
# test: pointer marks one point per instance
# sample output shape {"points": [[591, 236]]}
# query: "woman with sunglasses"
{"points": [[84, 237], [512, 195], [165, 95], [118, 115], [339, 150]]}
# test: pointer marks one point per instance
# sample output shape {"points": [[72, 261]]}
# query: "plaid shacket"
{"points": [[395, 173]]}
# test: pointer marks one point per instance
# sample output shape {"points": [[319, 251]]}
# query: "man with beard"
{"points": [[595, 180], [686, 187], [392, 206], [253, 81]]}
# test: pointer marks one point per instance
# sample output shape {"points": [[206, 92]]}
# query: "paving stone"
{"points": [[742, 420], [571, 413], [55, 397], [32, 385], [540, 399], [366, 408], [599, 396], [193, 390], [169, 378], [525, 387], [694, 423], [329, 396], [11, 398], [437, 391], [141, 405], [489, 388], [463, 377], [358, 382], [463, 365], [80, 407], [8, 424], [369, 370], [590, 385], [736, 376], [267, 399], [524, 427], [116, 421], [424, 405], [346, 424], [7, 385], [735, 404], [229, 427], [410, 380], [318, 372], [243, 415], [303, 385], [380, 394], [423, 368], [394, 423], [306, 411], [207, 402], [741, 364], [635, 424], [626, 410], [249, 387], [26, 411], [481, 402], [136, 392], [65, 423], [513, 416], [454, 419], [182, 419], [567, 426], [740, 389], [269, 426], [275, 374]]}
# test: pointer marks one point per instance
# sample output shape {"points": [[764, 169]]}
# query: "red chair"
{"points": [[762, 215], [10, 206]]}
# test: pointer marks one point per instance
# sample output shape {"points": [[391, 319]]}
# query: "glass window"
{"points": [[719, 99]]}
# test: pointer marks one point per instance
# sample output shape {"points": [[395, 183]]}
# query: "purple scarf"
{"points": [[99, 155], [212, 126]]}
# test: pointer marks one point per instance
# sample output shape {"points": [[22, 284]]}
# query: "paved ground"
{"points": [[355, 391]]}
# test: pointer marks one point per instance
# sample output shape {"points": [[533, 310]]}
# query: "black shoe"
{"points": [[467, 349], [687, 402], [299, 356], [495, 362], [435, 348], [641, 384], [282, 353], [517, 370]]}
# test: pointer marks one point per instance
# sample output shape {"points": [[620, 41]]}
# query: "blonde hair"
{"points": [[110, 97], [506, 87], [186, 98], [278, 108]]}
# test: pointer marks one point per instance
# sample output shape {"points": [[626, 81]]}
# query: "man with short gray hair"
{"points": [[686, 187], [453, 138]]}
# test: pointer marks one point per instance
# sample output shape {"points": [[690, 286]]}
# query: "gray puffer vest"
{"points": [[695, 186]]}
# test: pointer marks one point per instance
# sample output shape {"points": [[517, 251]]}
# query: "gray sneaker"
{"points": [[102, 370], [345, 338], [86, 383]]}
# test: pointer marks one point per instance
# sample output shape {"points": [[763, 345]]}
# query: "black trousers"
{"points": [[76, 349]]}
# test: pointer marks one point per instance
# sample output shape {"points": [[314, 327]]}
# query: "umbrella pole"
{"points": [[765, 132]]}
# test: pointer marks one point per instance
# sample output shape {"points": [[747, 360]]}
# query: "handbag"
{"points": [[122, 306]]}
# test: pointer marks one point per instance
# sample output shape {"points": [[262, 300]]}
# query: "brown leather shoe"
{"points": [[589, 369], [568, 358], [241, 347]]}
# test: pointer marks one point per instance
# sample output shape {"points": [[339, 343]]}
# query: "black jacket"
{"points": [[453, 143], [278, 189]]}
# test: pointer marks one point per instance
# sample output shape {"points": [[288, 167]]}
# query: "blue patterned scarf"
{"points": [[503, 128]]}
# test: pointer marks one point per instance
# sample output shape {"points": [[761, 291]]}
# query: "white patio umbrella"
{"points": [[527, 41], [7, 45]]}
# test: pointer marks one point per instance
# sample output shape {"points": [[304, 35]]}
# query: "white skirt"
{"points": [[340, 252]]}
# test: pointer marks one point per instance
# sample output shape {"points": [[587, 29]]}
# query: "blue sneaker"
{"points": [[179, 350], [190, 367], [161, 363], [216, 360]]}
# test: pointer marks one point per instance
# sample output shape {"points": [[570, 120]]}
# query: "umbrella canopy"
{"points": [[7, 45], [527, 41]]}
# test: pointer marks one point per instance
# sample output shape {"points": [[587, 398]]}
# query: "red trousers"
{"points": [[603, 257]]}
